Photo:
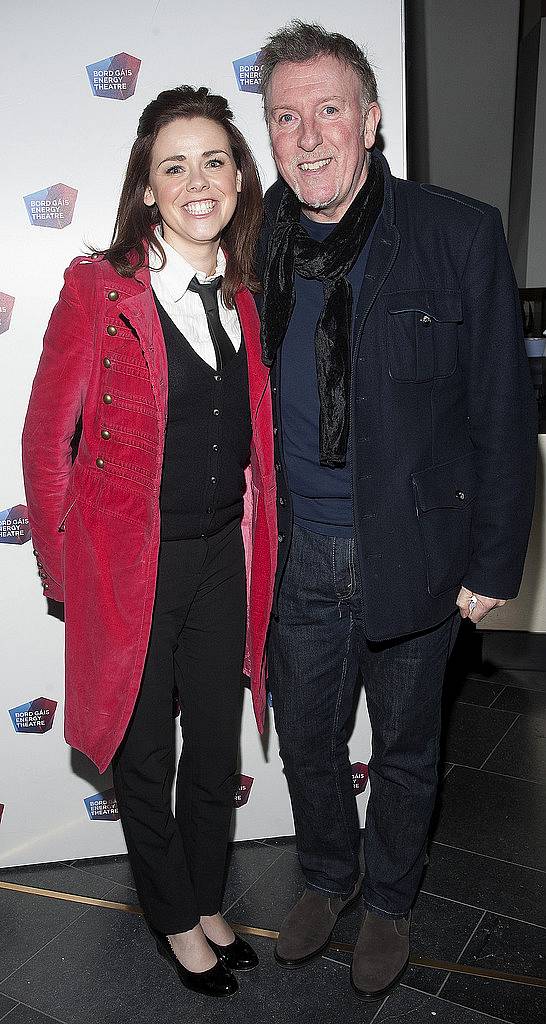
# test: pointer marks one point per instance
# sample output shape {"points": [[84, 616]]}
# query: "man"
{"points": [[405, 452]]}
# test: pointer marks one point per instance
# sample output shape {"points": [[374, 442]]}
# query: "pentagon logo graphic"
{"points": [[14, 528], [7, 303], [36, 717], [248, 72], [243, 790], [360, 777], [52, 207], [114, 78], [102, 806]]}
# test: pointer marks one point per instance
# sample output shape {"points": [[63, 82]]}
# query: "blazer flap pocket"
{"points": [[451, 484], [442, 306]]}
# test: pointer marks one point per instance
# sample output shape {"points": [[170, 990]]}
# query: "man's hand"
{"points": [[476, 606]]}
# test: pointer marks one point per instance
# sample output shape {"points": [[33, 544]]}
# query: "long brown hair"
{"points": [[135, 222]]}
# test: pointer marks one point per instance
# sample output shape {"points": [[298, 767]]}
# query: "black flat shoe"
{"points": [[217, 981], [238, 956]]}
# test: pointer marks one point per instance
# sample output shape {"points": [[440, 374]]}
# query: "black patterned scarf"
{"points": [[291, 251]]}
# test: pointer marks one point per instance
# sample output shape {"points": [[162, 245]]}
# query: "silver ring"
{"points": [[472, 603]]}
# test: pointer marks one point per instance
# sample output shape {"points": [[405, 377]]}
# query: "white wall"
{"points": [[55, 130]]}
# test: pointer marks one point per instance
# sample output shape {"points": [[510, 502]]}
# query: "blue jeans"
{"points": [[317, 649]]}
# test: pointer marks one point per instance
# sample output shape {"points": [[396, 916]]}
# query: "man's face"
{"points": [[320, 133]]}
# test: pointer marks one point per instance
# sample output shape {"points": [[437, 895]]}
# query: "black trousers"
{"points": [[195, 652]]}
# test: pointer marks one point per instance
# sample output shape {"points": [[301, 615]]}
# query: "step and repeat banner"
{"points": [[74, 79]]}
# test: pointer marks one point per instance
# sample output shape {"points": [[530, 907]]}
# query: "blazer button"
{"points": [[426, 319], [460, 495], [105, 434], [107, 399], [111, 330], [107, 362], [215, 412], [113, 296], [100, 463]]}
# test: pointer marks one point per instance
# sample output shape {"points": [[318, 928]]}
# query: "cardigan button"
{"points": [[107, 362], [100, 463], [281, 499], [281, 538], [218, 376], [105, 433], [107, 399], [111, 330], [45, 586], [113, 296], [215, 412]]}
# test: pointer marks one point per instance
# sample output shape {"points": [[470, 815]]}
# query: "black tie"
{"points": [[208, 293]]}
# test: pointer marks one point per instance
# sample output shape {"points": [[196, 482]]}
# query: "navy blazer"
{"points": [[444, 422]]}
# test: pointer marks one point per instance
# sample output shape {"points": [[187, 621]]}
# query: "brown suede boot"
{"points": [[380, 956], [305, 932]]}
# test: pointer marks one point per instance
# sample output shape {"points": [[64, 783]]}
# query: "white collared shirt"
{"points": [[185, 308]]}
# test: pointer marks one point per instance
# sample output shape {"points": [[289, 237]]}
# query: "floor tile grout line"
{"points": [[46, 944], [484, 707], [462, 1006], [458, 960], [472, 906], [496, 697], [491, 752], [487, 771], [488, 856], [226, 910], [47, 1016], [375, 1016], [15, 1005]]}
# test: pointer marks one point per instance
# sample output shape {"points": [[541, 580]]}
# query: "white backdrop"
{"points": [[58, 130]]}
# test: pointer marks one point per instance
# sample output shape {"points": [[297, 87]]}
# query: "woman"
{"points": [[155, 344]]}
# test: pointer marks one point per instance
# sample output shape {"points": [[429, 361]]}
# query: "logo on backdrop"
{"points": [[102, 806], [14, 528], [248, 72], [6, 308], [52, 207], [243, 790], [37, 716], [1, 812], [114, 78], [360, 777]]}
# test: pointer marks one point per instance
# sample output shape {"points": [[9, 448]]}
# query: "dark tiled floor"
{"points": [[482, 900]]}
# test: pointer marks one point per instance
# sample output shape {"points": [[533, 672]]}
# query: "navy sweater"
{"points": [[321, 496]]}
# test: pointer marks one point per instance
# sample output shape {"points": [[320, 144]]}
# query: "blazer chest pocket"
{"points": [[444, 497], [422, 337]]}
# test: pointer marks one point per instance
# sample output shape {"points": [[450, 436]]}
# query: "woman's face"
{"points": [[194, 181]]}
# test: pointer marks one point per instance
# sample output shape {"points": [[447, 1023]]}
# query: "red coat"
{"points": [[95, 524]]}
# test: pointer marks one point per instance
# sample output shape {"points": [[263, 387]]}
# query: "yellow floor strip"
{"points": [[242, 929]]}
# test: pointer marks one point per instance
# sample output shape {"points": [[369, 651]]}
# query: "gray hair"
{"points": [[300, 41]]}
